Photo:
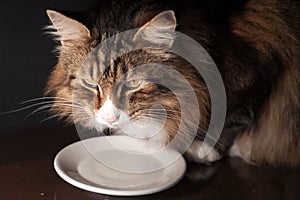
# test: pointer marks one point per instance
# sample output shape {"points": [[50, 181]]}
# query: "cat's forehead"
{"points": [[110, 61], [104, 68], [108, 65]]}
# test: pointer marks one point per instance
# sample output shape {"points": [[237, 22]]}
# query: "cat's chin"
{"points": [[152, 132]]}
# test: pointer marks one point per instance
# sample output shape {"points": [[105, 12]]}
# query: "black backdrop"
{"points": [[26, 57]]}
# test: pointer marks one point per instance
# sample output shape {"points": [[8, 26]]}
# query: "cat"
{"points": [[254, 43]]}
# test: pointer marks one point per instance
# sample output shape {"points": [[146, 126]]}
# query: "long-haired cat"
{"points": [[254, 43]]}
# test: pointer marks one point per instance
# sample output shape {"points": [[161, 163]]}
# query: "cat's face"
{"points": [[126, 94], [133, 93]]}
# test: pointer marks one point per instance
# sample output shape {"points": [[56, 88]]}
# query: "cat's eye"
{"points": [[133, 84], [89, 84]]}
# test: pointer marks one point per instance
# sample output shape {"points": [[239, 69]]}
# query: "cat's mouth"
{"points": [[109, 131], [144, 128]]}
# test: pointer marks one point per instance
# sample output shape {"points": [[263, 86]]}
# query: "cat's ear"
{"points": [[159, 31], [67, 29]]}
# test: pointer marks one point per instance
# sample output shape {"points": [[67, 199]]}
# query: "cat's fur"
{"points": [[254, 43]]}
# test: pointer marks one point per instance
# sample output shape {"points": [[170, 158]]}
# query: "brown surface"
{"points": [[26, 172]]}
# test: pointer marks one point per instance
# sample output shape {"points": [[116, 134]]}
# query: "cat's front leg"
{"points": [[201, 152]]}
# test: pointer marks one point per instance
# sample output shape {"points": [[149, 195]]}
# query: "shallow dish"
{"points": [[119, 165]]}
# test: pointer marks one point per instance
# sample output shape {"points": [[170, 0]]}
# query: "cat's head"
{"points": [[96, 86]]}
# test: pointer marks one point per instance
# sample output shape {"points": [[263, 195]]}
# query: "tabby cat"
{"points": [[254, 43]]}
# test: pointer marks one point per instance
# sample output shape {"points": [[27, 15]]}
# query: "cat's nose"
{"points": [[110, 117], [108, 113]]}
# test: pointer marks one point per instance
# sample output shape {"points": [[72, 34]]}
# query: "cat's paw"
{"points": [[242, 148], [198, 172], [202, 152]]}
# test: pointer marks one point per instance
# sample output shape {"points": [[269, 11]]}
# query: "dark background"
{"points": [[26, 56]]}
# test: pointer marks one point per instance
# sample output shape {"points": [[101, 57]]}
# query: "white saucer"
{"points": [[119, 165]]}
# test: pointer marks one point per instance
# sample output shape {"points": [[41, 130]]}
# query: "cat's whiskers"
{"points": [[42, 109], [158, 117], [46, 98], [183, 135], [83, 119], [183, 129], [67, 105], [51, 117], [51, 104], [162, 115], [186, 142], [36, 104], [162, 110], [66, 114], [149, 117]]}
